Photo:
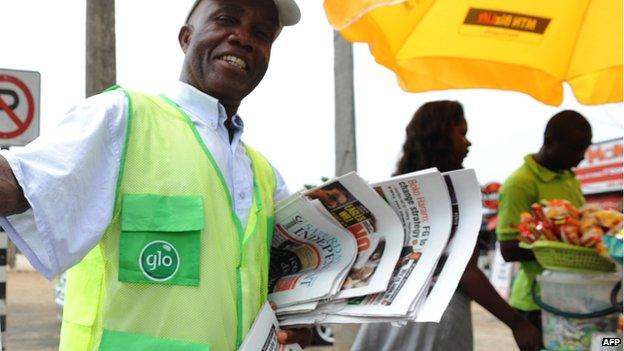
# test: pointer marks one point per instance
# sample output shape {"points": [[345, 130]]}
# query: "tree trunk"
{"points": [[101, 70]]}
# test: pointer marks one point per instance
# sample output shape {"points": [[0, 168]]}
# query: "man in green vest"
{"points": [[164, 216], [543, 176]]}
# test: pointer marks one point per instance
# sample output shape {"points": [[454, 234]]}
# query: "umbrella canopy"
{"points": [[528, 46]]}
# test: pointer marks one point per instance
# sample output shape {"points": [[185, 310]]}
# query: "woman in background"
{"points": [[436, 137]]}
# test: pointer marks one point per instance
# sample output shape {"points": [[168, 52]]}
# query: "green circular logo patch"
{"points": [[159, 260]]}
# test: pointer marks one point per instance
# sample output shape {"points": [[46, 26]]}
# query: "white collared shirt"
{"points": [[69, 175]]}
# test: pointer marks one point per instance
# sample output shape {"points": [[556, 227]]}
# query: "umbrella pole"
{"points": [[346, 155]]}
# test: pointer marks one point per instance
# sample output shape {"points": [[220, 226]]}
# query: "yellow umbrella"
{"points": [[529, 46]]}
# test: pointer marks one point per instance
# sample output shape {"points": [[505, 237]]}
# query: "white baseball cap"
{"points": [[288, 11]]}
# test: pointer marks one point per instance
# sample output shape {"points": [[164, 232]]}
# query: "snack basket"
{"points": [[555, 255]]}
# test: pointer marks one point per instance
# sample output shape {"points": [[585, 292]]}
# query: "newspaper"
{"points": [[465, 195], [421, 202], [263, 334], [440, 219], [310, 254], [298, 308], [376, 228], [330, 312]]}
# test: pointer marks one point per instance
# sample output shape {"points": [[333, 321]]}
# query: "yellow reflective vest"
{"points": [[175, 270]]}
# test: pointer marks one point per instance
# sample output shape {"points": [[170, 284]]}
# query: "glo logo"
{"points": [[159, 261]]}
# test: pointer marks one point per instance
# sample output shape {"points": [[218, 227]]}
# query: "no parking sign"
{"points": [[19, 106]]}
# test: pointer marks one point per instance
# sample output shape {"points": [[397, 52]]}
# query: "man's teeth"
{"points": [[233, 60]]}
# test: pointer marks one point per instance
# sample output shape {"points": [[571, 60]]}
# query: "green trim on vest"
{"points": [[116, 341], [169, 186], [129, 130]]}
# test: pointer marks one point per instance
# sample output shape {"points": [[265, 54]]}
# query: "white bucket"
{"points": [[576, 293]]}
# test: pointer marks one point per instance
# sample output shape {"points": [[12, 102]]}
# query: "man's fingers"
{"points": [[273, 305], [301, 336], [282, 337]]}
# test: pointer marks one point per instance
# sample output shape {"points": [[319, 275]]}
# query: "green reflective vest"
{"points": [[174, 270]]}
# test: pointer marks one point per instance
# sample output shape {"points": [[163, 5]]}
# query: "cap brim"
{"points": [[289, 13]]}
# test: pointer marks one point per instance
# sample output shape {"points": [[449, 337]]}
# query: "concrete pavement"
{"points": [[32, 324], [31, 314]]}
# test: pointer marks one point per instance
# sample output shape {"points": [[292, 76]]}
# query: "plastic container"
{"points": [[582, 294]]}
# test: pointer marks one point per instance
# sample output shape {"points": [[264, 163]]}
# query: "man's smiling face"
{"points": [[227, 45]]}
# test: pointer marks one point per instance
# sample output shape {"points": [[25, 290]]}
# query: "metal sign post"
{"points": [[19, 125], [3, 263]]}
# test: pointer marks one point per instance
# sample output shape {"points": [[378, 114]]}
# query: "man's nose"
{"points": [[242, 38]]}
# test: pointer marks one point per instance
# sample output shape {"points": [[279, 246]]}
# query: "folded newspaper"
{"points": [[263, 334], [353, 252]]}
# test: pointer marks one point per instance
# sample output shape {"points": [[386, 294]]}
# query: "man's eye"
{"points": [[264, 35], [228, 20]]}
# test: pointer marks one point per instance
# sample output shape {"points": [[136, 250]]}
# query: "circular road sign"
{"points": [[21, 119]]}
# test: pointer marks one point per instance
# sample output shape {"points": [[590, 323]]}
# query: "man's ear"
{"points": [[184, 37]]}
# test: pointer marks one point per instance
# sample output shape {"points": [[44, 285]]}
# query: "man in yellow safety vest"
{"points": [[159, 211]]}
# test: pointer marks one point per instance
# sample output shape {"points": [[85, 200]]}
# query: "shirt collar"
{"points": [[203, 106], [543, 173]]}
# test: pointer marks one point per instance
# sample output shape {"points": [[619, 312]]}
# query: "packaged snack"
{"points": [[544, 225], [592, 236], [617, 231], [570, 231], [559, 220], [608, 218], [527, 228], [557, 209]]}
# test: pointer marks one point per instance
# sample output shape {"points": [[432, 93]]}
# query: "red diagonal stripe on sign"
{"points": [[4, 107]]}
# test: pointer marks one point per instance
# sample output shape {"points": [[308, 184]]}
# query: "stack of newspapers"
{"points": [[353, 252]]}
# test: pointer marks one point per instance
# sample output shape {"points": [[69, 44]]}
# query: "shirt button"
{"points": [[241, 195]]}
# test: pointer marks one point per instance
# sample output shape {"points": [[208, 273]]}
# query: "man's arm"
{"points": [[513, 200], [12, 200], [511, 252], [69, 178]]}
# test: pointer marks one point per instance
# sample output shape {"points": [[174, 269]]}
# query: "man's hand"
{"points": [[301, 336], [527, 336], [12, 198]]}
